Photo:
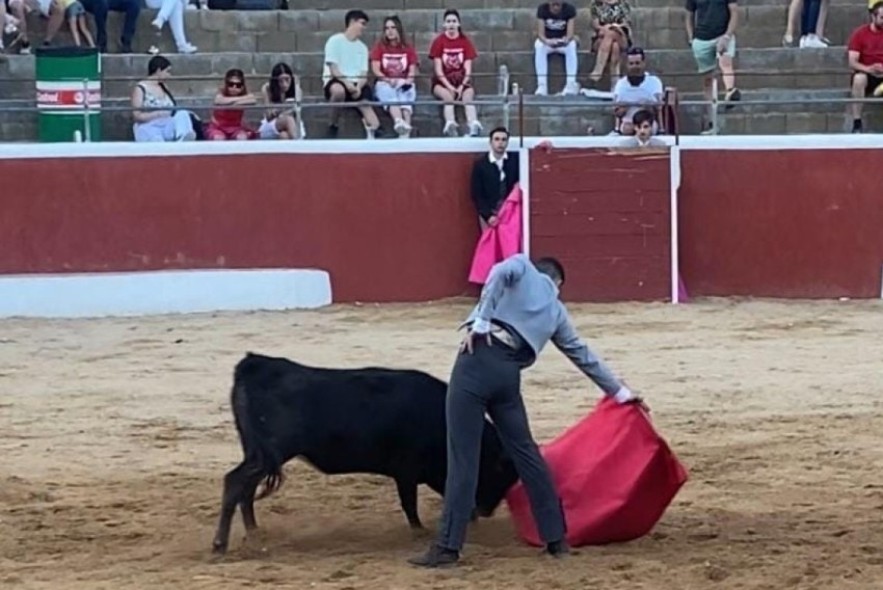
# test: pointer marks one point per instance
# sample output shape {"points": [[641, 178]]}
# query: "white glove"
{"points": [[624, 395]]}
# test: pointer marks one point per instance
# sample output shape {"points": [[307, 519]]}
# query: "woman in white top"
{"points": [[169, 124], [281, 89]]}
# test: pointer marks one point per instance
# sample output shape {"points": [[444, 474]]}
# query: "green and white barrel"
{"points": [[68, 80]]}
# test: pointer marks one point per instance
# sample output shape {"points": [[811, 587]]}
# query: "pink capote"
{"points": [[499, 242], [614, 473]]}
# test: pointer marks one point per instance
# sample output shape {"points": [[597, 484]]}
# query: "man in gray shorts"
{"points": [[711, 30]]}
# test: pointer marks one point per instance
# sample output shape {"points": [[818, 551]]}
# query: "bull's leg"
{"points": [[246, 504], [234, 488], [408, 497]]}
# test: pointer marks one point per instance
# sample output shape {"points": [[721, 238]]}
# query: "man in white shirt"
{"points": [[637, 90], [345, 73]]}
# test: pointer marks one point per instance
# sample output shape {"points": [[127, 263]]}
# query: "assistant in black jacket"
{"points": [[492, 181]]}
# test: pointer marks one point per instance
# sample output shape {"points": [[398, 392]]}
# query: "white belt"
{"points": [[503, 336]]}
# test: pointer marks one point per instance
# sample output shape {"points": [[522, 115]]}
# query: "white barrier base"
{"points": [[161, 292]]}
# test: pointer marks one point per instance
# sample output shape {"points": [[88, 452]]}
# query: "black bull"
{"points": [[370, 420]]}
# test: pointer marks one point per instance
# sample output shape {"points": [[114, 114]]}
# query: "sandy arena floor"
{"points": [[114, 436]]}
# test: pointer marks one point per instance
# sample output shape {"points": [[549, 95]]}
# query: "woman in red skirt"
{"points": [[227, 123]]}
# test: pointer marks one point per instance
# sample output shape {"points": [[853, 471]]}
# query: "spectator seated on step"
{"points": [[813, 15], [556, 23], [75, 14], [345, 73], [227, 119], [452, 54], [865, 53], [163, 122], [171, 12], [611, 21], [637, 90], [54, 10], [394, 63], [14, 13], [280, 93]]}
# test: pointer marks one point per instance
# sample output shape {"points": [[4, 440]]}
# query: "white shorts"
{"points": [[387, 94], [268, 129]]}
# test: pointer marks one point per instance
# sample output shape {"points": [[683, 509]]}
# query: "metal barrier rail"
{"points": [[265, 76], [297, 105], [503, 99], [220, 77]]}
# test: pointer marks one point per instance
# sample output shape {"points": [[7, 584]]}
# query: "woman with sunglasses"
{"points": [[226, 123], [280, 123]]}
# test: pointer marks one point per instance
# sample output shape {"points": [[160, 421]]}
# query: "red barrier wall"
{"points": [[787, 223], [781, 223], [607, 217], [387, 228]]}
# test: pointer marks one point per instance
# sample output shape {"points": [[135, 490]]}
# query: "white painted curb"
{"points": [[161, 292]]}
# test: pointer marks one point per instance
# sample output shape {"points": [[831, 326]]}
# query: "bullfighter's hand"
{"points": [[468, 343]]}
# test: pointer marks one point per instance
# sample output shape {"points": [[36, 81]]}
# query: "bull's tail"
{"points": [[254, 438]]}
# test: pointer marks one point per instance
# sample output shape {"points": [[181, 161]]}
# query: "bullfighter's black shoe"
{"points": [[436, 557], [558, 549]]}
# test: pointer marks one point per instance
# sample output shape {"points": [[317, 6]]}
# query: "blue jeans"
{"points": [[98, 9], [810, 16]]}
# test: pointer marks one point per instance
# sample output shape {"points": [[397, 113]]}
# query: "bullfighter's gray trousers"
{"points": [[489, 380]]}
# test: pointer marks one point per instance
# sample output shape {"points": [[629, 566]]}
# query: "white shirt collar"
{"points": [[493, 160]]}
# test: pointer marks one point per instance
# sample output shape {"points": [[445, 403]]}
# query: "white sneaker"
{"points": [[156, 24], [11, 25], [475, 129], [450, 129], [541, 91], [815, 42], [401, 128], [570, 89], [369, 133], [189, 48]]}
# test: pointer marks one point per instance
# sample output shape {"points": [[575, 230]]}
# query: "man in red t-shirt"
{"points": [[865, 50]]}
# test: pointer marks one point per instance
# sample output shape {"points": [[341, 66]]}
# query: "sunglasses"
{"points": [[235, 84]]}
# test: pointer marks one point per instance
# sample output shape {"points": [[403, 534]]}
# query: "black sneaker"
{"points": [[333, 130], [558, 549], [436, 556], [732, 95]]}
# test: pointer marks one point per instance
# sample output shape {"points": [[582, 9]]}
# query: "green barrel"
{"points": [[67, 79]]}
